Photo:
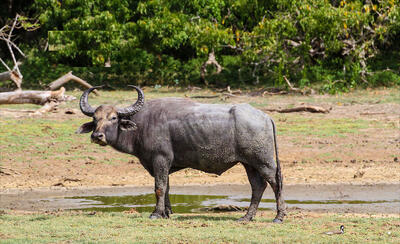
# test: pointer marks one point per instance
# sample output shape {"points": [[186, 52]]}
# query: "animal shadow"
{"points": [[205, 218]]}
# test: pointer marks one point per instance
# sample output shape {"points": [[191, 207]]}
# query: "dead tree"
{"points": [[49, 99], [6, 33], [203, 69], [12, 75]]}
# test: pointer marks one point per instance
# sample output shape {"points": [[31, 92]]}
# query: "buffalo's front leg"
{"points": [[160, 170], [168, 208]]}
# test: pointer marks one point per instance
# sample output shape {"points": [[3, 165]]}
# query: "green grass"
{"points": [[323, 127], [46, 139], [78, 227], [49, 137]]}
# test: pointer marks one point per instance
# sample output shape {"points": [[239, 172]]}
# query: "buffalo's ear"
{"points": [[127, 125], [85, 128]]}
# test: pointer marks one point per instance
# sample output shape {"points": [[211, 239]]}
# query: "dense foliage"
{"points": [[335, 44]]}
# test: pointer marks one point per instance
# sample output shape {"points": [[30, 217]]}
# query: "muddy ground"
{"points": [[371, 199], [368, 155]]}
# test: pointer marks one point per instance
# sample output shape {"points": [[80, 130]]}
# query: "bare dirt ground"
{"points": [[368, 154]]}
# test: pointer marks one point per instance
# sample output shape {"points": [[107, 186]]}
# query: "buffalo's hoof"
{"points": [[155, 216], [159, 216], [244, 219], [277, 221], [168, 211]]}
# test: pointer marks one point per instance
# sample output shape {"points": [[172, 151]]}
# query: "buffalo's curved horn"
{"points": [[133, 109], [84, 104]]}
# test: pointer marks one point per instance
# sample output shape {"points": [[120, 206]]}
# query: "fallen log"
{"points": [[35, 97], [274, 93], [306, 108], [47, 107], [66, 78]]}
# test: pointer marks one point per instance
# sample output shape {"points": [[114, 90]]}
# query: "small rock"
{"points": [[396, 159], [71, 111], [359, 174]]}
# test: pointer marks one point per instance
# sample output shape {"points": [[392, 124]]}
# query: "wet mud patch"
{"points": [[210, 203], [346, 198]]}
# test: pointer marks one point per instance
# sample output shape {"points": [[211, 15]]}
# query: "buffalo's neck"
{"points": [[125, 142]]}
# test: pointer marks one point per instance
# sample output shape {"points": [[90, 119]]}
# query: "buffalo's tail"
{"points": [[278, 166]]}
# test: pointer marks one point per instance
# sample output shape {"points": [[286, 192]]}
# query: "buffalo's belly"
{"points": [[205, 142], [208, 159]]}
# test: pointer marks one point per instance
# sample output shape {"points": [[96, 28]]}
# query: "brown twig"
{"points": [[304, 91], [368, 113], [15, 172], [205, 96]]}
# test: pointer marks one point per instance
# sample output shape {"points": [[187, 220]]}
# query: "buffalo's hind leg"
{"points": [[258, 185], [271, 176], [280, 202]]}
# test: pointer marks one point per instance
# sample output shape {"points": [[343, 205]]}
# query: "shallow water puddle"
{"points": [[146, 202], [198, 203]]}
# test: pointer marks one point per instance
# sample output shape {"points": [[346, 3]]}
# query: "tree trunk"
{"points": [[67, 77], [13, 76], [35, 97]]}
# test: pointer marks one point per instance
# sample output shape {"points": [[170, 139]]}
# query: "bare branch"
{"points": [[10, 48], [240, 49], [5, 65], [15, 46], [67, 77], [291, 87], [12, 27]]}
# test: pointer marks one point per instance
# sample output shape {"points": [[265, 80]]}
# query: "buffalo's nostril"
{"points": [[99, 136]]}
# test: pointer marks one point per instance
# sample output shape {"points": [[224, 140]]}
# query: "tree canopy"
{"points": [[336, 44]]}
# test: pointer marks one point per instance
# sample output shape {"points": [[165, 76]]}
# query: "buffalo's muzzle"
{"points": [[99, 138]]}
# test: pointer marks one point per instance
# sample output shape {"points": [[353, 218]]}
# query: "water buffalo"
{"points": [[170, 134]]}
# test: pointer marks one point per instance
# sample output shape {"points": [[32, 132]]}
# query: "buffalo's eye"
{"points": [[114, 118]]}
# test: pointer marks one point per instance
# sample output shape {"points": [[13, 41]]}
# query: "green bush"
{"points": [[336, 45], [384, 78]]}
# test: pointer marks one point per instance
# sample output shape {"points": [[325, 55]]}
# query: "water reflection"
{"points": [[194, 203]]}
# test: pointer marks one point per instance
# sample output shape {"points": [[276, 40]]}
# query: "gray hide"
{"points": [[171, 134]]}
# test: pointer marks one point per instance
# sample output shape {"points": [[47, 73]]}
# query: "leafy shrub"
{"points": [[333, 44]]}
